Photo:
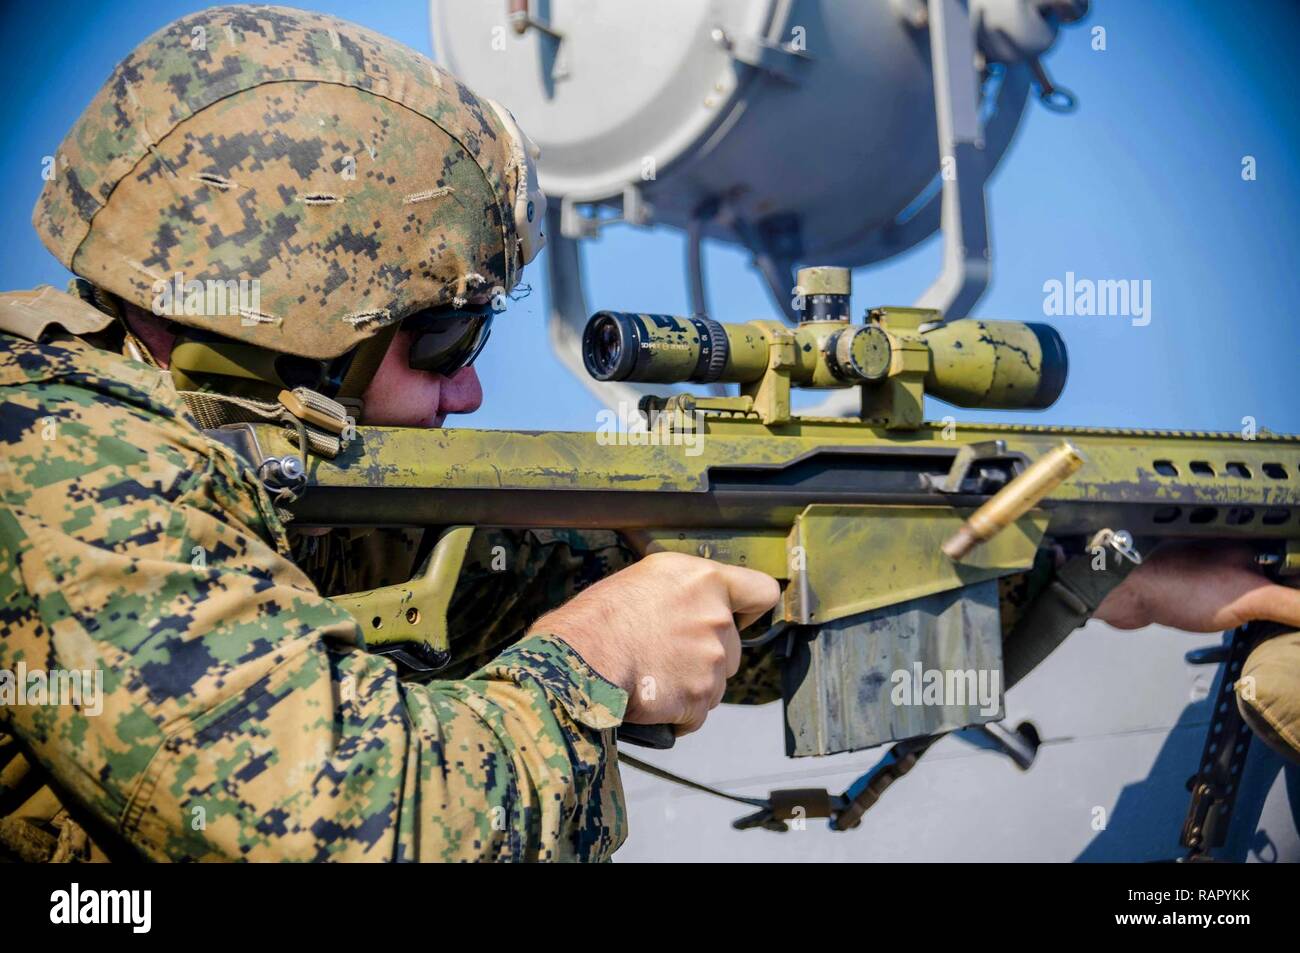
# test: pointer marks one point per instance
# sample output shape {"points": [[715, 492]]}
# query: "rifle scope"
{"points": [[992, 364]]}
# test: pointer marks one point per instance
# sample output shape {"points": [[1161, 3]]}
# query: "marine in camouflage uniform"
{"points": [[240, 718]]}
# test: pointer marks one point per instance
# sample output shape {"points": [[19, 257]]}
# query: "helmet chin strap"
{"points": [[321, 421], [224, 382], [367, 357]]}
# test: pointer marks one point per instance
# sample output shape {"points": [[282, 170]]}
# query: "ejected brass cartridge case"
{"points": [[1015, 499]]}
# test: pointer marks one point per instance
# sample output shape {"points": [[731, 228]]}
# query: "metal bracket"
{"points": [[775, 59], [279, 475], [971, 454], [964, 217], [1215, 784], [552, 49], [573, 224], [522, 20], [776, 244], [844, 811]]}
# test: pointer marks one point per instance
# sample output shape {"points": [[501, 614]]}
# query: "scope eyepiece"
{"points": [[1055, 364], [1004, 365]]}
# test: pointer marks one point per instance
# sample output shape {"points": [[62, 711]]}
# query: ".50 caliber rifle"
{"points": [[888, 534]]}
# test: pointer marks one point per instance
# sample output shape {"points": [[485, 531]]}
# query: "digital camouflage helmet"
{"points": [[345, 179]]}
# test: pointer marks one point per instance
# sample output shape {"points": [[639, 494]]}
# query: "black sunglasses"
{"points": [[445, 340]]}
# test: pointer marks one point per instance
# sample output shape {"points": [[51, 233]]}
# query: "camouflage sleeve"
{"points": [[235, 717], [512, 577]]}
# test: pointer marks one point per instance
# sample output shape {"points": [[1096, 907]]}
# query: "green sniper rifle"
{"points": [[888, 534]]}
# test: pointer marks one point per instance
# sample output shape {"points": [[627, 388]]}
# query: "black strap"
{"points": [[366, 359], [687, 782], [1068, 601]]}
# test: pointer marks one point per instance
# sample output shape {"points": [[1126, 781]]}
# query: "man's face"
{"points": [[398, 396], [401, 397]]}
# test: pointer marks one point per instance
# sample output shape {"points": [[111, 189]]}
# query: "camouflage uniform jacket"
{"points": [[239, 719]]}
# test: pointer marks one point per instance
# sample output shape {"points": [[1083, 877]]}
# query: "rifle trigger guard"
{"points": [[775, 631]]}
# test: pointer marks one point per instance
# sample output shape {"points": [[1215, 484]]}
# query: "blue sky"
{"points": [[1143, 182]]}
